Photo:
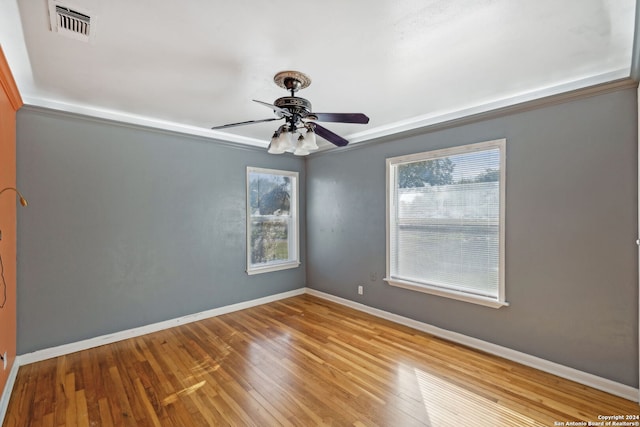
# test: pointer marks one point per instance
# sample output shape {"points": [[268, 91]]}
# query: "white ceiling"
{"points": [[194, 64]]}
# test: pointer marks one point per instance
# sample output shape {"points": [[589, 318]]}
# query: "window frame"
{"points": [[294, 227], [392, 164]]}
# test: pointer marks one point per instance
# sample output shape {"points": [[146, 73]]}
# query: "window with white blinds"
{"points": [[445, 214]]}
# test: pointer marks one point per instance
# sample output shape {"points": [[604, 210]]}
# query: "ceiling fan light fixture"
{"points": [[275, 147], [297, 113], [281, 141], [285, 142], [309, 140], [301, 149]]}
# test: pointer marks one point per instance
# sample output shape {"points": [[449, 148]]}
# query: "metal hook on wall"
{"points": [[23, 201]]}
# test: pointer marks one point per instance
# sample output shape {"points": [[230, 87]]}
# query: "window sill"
{"points": [[273, 267], [460, 296]]}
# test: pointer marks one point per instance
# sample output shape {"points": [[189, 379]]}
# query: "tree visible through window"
{"points": [[428, 172], [446, 222], [272, 229]]}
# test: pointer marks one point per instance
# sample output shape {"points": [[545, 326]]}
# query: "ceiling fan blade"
{"points": [[333, 138], [341, 117], [248, 122], [275, 108]]}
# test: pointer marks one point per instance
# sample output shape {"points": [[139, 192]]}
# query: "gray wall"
{"points": [[128, 226], [571, 221]]}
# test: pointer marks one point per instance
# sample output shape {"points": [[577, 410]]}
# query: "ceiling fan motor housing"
{"points": [[294, 104]]}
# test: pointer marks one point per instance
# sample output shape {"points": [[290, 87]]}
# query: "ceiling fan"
{"points": [[297, 115]]}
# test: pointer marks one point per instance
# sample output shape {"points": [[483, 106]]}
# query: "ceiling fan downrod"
{"points": [[292, 85]]}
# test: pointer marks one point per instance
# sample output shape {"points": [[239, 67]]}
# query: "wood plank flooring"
{"points": [[302, 361]]}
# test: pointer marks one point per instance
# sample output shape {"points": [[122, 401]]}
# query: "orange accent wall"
{"points": [[10, 102]]}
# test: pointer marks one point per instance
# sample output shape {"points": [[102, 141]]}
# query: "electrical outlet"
{"points": [[360, 289]]}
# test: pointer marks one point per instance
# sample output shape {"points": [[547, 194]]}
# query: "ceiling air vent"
{"points": [[70, 21]]}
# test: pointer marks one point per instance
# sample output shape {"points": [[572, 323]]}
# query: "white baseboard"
{"points": [[8, 389], [603, 384], [60, 350]]}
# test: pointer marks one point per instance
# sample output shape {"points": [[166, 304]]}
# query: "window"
{"points": [[272, 220], [445, 222]]}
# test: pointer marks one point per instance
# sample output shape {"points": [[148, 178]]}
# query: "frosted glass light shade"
{"points": [[281, 143], [309, 140], [300, 149], [275, 147], [286, 141]]}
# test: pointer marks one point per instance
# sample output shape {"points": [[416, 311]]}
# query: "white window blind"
{"points": [[446, 221]]}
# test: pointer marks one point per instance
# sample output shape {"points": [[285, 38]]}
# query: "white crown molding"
{"points": [[609, 82], [498, 105], [123, 117], [614, 80]]}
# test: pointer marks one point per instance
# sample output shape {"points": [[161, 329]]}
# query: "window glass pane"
{"points": [[269, 240], [445, 220], [269, 194]]}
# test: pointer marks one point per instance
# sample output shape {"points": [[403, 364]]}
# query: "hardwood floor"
{"points": [[302, 361]]}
